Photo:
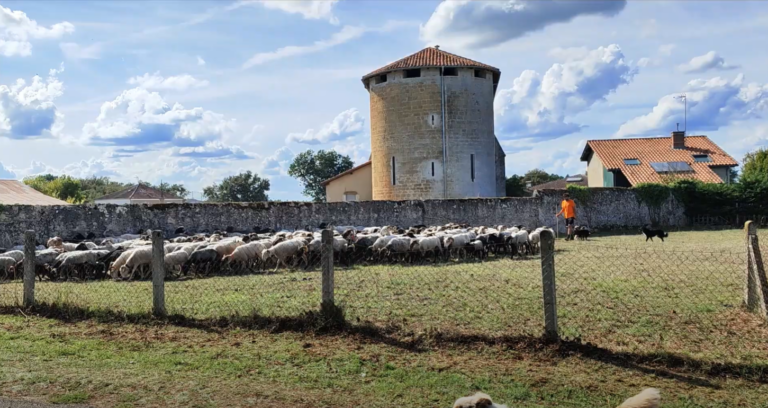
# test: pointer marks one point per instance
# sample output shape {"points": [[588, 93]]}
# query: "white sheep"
{"points": [[138, 258], [456, 243], [283, 251], [8, 265], [398, 245], [46, 256], [428, 244], [119, 262], [175, 260], [17, 255], [245, 254], [227, 247]]}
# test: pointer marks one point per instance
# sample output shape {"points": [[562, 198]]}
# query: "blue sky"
{"points": [[195, 91]]}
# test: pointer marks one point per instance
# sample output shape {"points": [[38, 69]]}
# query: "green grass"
{"points": [[660, 314]]}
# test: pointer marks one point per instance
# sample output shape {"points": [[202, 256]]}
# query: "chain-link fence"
{"points": [[638, 297]]}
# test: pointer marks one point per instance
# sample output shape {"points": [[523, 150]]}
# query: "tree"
{"points": [[755, 168], [515, 186], [538, 176], [95, 187], [311, 169], [177, 190], [244, 187], [64, 188]]}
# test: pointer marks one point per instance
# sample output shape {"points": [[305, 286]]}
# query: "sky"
{"points": [[194, 91]]}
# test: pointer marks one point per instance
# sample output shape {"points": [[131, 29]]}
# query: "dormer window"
{"points": [[631, 162], [702, 158]]}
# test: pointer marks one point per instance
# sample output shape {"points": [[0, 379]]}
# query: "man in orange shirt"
{"points": [[569, 213]]}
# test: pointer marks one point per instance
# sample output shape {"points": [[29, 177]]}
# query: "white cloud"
{"points": [[252, 136], [277, 164], [538, 106], [346, 34], [16, 31], [6, 173], [649, 28], [712, 104], [309, 9], [175, 83], [92, 168], [706, 62], [200, 61], [666, 49], [480, 24], [345, 125], [358, 150], [28, 110], [212, 151], [74, 51], [140, 118]]}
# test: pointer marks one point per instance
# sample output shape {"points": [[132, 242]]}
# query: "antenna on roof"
{"points": [[437, 47], [685, 105]]}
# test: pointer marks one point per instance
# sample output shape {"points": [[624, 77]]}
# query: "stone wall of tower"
{"points": [[406, 123]]}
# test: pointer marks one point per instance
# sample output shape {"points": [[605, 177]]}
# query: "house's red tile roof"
{"points": [[140, 192], [612, 153], [342, 174], [431, 57], [15, 192]]}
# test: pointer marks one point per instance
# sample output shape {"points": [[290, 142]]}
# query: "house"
{"points": [[351, 185], [628, 162], [563, 183], [14, 192], [139, 194]]}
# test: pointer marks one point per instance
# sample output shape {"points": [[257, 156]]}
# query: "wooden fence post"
{"points": [[29, 268], [549, 284], [326, 260], [158, 274], [756, 288]]}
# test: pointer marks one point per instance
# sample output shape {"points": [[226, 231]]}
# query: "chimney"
{"points": [[678, 139]]}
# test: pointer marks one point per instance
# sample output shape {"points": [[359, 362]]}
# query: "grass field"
{"points": [[657, 314]]}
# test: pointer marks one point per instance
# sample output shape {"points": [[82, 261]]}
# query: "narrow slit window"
{"points": [[472, 166], [412, 73], [433, 169], [382, 78], [479, 73], [433, 120], [394, 178], [450, 72]]}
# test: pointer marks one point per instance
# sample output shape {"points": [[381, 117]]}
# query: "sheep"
{"points": [[138, 258], [534, 238], [46, 256], [17, 255], [478, 248], [456, 243], [114, 268], [428, 244], [68, 260], [202, 256], [8, 266], [399, 245], [282, 251], [175, 260], [245, 254], [227, 247]]}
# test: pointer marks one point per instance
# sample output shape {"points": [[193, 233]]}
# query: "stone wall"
{"points": [[609, 208]]}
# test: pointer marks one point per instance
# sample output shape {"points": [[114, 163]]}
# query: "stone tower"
{"points": [[432, 128]]}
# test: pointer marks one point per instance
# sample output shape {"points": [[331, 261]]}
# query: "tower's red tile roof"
{"points": [[431, 57], [612, 153]]}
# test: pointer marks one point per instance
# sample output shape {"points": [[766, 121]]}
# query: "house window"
{"points": [[702, 158], [671, 167], [450, 72], [394, 178], [412, 73], [350, 196], [632, 162], [472, 166], [433, 169], [479, 73]]}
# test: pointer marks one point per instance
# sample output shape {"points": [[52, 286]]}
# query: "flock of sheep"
{"points": [[129, 256]]}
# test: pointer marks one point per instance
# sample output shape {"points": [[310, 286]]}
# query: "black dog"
{"points": [[650, 233], [581, 232]]}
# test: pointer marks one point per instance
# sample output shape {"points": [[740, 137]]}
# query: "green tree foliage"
{"points": [[538, 176], [95, 187], [755, 166], [244, 187], [311, 169], [515, 186], [177, 190], [64, 188]]}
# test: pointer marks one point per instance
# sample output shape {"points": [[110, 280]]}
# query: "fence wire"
{"points": [[490, 293]]}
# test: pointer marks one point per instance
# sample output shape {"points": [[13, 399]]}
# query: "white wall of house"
{"points": [[723, 172], [595, 171]]}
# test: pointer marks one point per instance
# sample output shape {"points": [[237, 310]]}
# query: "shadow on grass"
{"points": [[330, 320]]}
